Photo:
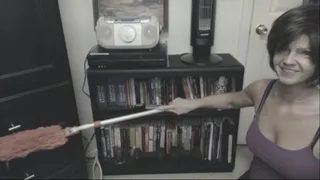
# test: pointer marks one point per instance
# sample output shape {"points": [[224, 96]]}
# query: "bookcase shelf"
{"points": [[203, 140]]}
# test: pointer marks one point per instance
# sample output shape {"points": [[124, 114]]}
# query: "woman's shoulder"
{"points": [[257, 88]]}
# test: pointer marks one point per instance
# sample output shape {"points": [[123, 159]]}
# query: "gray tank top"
{"points": [[273, 162]]}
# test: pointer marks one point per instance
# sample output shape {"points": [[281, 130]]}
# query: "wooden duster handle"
{"points": [[97, 124]]}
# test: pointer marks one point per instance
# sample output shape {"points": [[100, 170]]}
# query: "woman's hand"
{"points": [[180, 106]]}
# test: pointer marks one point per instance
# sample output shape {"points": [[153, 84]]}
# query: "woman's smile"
{"points": [[288, 70]]}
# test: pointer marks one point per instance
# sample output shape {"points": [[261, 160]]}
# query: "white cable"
{"points": [[96, 162], [100, 169], [93, 169]]}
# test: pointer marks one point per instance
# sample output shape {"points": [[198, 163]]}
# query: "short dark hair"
{"points": [[301, 20]]}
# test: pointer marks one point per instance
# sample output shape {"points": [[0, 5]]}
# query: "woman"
{"points": [[284, 135]]}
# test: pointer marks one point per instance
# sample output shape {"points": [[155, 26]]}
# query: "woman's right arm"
{"points": [[240, 99], [231, 100]]}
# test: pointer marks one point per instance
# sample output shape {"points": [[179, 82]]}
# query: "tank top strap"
{"points": [[265, 94], [315, 138]]}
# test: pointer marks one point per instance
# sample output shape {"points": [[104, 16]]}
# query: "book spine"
{"points": [[103, 144]]}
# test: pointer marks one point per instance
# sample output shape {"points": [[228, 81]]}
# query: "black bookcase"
{"points": [[165, 142]]}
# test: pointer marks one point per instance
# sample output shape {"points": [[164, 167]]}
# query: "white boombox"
{"points": [[128, 33]]}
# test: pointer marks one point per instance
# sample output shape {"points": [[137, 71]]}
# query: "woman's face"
{"points": [[293, 65]]}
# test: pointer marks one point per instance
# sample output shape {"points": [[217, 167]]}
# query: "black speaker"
{"points": [[202, 34]]}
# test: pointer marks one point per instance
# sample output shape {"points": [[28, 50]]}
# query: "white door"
{"points": [[257, 63]]}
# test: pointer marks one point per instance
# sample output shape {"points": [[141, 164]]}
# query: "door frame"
{"points": [[243, 47], [245, 30]]}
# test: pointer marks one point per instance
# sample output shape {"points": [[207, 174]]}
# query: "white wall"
{"points": [[231, 36], [77, 21], [231, 33]]}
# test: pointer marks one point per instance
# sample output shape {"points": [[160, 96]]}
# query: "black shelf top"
{"points": [[175, 65], [228, 62]]}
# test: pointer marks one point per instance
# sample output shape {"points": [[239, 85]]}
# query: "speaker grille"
{"points": [[105, 34], [150, 32], [205, 14]]}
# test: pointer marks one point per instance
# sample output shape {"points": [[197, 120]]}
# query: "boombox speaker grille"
{"points": [[150, 31]]}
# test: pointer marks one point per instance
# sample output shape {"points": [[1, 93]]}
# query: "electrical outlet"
{"points": [[93, 165], [90, 168], [91, 154]]}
